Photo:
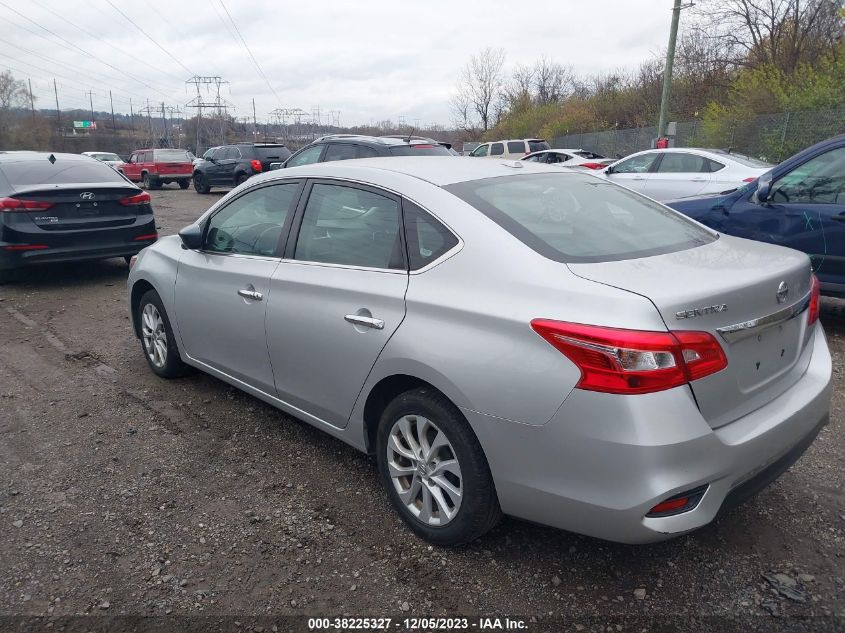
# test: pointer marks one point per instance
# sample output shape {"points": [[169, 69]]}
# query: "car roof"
{"points": [[438, 170], [9, 157]]}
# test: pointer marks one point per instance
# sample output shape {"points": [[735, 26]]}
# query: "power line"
{"points": [[82, 50], [95, 36], [150, 37], [251, 56]]}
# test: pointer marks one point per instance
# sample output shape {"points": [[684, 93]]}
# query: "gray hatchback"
{"points": [[503, 337]]}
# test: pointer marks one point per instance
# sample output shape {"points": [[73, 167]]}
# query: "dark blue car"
{"points": [[799, 203]]}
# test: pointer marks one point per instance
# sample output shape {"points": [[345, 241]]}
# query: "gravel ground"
{"points": [[124, 494]]}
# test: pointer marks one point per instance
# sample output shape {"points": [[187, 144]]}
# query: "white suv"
{"points": [[513, 149]]}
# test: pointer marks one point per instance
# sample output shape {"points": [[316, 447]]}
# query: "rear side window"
{"points": [[420, 149], [252, 223], [171, 156], [427, 238], [570, 217], [272, 153], [516, 147], [350, 226], [682, 163], [497, 149], [536, 146], [26, 173], [347, 151], [712, 166]]}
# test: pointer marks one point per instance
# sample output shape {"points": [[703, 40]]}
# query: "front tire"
{"points": [[434, 469], [200, 183], [157, 338], [150, 182]]}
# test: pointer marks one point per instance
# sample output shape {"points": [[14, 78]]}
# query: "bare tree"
{"points": [[552, 81], [13, 94], [780, 32], [479, 89]]}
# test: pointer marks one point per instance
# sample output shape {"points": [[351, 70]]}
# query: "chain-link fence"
{"points": [[772, 137]]}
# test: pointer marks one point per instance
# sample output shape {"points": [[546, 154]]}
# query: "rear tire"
{"points": [[200, 183], [9, 276], [427, 450], [157, 340], [183, 184]]}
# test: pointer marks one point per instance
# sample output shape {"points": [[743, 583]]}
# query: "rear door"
{"points": [[678, 175], [223, 289], [337, 297], [633, 172]]}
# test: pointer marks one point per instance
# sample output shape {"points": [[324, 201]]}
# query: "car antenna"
{"points": [[410, 134]]}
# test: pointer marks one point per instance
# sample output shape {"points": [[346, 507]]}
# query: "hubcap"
{"points": [[424, 470], [154, 335]]}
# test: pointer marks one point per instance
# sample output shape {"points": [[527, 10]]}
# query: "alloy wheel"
{"points": [[154, 335], [424, 470]]}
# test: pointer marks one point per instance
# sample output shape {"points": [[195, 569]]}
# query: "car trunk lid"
{"points": [[730, 290], [81, 206]]}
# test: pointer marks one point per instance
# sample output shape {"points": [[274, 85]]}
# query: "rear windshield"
{"points": [[271, 153], [172, 156], [589, 155], [26, 173], [536, 146], [419, 150], [578, 218], [742, 159], [105, 156]]}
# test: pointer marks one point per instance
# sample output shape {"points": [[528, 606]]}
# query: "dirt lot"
{"points": [[121, 493]]}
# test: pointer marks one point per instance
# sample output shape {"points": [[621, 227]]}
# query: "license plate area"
{"points": [[767, 354]]}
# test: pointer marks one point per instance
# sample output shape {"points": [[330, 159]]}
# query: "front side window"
{"points": [[349, 226], [133, 158], [252, 223], [536, 158], [635, 165], [481, 150], [427, 238], [682, 163], [572, 217], [306, 157], [497, 149], [821, 180]]}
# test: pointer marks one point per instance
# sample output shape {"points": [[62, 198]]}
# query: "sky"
{"points": [[359, 62]]}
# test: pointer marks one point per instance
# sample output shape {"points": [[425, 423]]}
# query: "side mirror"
{"points": [[764, 187], [191, 237], [608, 170], [274, 166]]}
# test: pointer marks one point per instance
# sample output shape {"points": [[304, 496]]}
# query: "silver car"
{"points": [[503, 337]]}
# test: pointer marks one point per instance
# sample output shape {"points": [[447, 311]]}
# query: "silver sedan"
{"points": [[502, 337]]}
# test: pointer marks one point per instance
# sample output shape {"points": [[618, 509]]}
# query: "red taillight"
{"points": [[815, 301], [593, 165], [132, 201], [144, 238], [26, 247], [750, 179], [17, 204], [631, 361], [256, 165]]}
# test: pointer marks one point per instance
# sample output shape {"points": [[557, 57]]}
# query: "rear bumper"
{"points": [[172, 177], [603, 461], [84, 250]]}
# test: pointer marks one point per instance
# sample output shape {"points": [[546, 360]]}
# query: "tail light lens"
{"points": [[146, 238], [631, 361], [133, 201], [750, 179], [815, 301], [26, 247], [256, 165], [17, 204], [592, 165]]}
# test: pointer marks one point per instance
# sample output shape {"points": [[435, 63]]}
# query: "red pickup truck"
{"points": [[156, 167]]}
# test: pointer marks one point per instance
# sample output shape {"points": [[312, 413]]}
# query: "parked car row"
{"points": [[504, 336]]}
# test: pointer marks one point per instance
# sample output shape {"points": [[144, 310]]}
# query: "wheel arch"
{"points": [[139, 289]]}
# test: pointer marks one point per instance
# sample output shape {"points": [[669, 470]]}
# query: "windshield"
{"points": [[172, 156], [419, 150], [105, 156], [578, 218]]}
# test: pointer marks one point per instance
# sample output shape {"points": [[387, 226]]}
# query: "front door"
{"points": [[337, 297], [222, 290], [131, 169]]}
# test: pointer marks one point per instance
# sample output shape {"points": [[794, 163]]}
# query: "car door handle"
{"points": [[638, 178], [355, 319], [250, 294], [699, 179]]}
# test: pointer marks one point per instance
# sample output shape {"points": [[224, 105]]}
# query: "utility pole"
{"points": [[164, 123], [667, 71], [58, 116], [111, 103], [31, 98], [254, 121], [131, 119], [91, 101]]}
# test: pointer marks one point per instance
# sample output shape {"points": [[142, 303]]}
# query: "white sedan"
{"points": [[667, 174], [569, 158], [109, 158]]}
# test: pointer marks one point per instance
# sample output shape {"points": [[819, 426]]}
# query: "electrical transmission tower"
{"points": [[213, 101]]}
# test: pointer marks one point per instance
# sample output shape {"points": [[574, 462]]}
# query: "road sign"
{"points": [[90, 125]]}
